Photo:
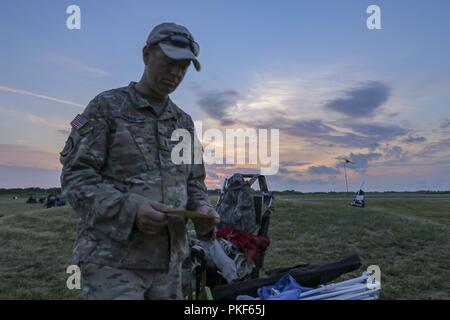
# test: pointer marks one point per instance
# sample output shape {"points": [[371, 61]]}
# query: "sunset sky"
{"points": [[309, 68]]}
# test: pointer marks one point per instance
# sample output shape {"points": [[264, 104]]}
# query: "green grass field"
{"points": [[407, 235]]}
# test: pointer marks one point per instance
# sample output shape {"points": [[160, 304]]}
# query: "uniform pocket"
{"points": [[183, 169], [133, 146], [148, 251]]}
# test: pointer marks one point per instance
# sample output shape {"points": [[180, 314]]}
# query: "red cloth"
{"points": [[250, 243]]}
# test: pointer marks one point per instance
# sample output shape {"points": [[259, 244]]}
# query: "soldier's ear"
{"points": [[145, 54]]}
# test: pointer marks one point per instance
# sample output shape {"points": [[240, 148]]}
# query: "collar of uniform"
{"points": [[169, 112], [139, 102]]}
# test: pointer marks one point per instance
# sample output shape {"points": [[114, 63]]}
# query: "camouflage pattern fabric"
{"points": [[118, 159], [236, 207], [100, 282]]}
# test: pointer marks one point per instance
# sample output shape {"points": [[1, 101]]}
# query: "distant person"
{"points": [[119, 177], [51, 201], [31, 199], [60, 201]]}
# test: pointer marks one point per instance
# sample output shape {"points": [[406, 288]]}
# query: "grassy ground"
{"points": [[407, 235]]}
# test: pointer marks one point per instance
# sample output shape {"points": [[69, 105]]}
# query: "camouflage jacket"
{"points": [[120, 158]]}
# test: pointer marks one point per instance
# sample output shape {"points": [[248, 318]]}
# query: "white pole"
{"points": [[346, 183]]}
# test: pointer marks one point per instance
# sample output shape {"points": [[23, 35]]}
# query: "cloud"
{"points": [[285, 171], [24, 116], [310, 133], [280, 182], [412, 140], [322, 170], [33, 119], [15, 155], [445, 125], [395, 152], [360, 160], [66, 61], [292, 164], [213, 175], [361, 101], [365, 135], [320, 133], [23, 177], [434, 148], [264, 110], [40, 96], [290, 173], [63, 132], [304, 128], [378, 131], [351, 140], [217, 103]]}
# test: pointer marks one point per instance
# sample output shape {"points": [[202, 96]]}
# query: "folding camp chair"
{"points": [[263, 202], [207, 277], [359, 200]]}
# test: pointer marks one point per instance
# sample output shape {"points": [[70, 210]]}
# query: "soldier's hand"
{"points": [[204, 226], [151, 217]]}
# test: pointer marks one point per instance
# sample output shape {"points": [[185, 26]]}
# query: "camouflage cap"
{"points": [[163, 31]]}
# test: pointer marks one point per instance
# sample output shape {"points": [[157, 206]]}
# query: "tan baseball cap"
{"points": [[176, 42]]}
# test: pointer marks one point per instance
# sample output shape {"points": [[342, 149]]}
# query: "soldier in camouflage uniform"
{"points": [[119, 177]]}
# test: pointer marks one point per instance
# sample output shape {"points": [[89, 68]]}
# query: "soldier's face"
{"points": [[163, 74]]}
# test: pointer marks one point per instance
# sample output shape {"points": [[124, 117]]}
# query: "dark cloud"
{"points": [[194, 86], [395, 152], [290, 173], [23, 177], [360, 160], [292, 163], [353, 141], [368, 97], [361, 101], [370, 94], [63, 132], [366, 135], [434, 147], [296, 128], [283, 171], [19, 155], [322, 170], [321, 133], [212, 175], [305, 128], [378, 131], [410, 139], [280, 182], [217, 103], [445, 124], [229, 169]]}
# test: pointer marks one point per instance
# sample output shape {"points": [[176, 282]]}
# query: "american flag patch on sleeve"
{"points": [[78, 122]]}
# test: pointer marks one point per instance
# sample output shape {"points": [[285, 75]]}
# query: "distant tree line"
{"points": [[371, 192], [30, 191]]}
